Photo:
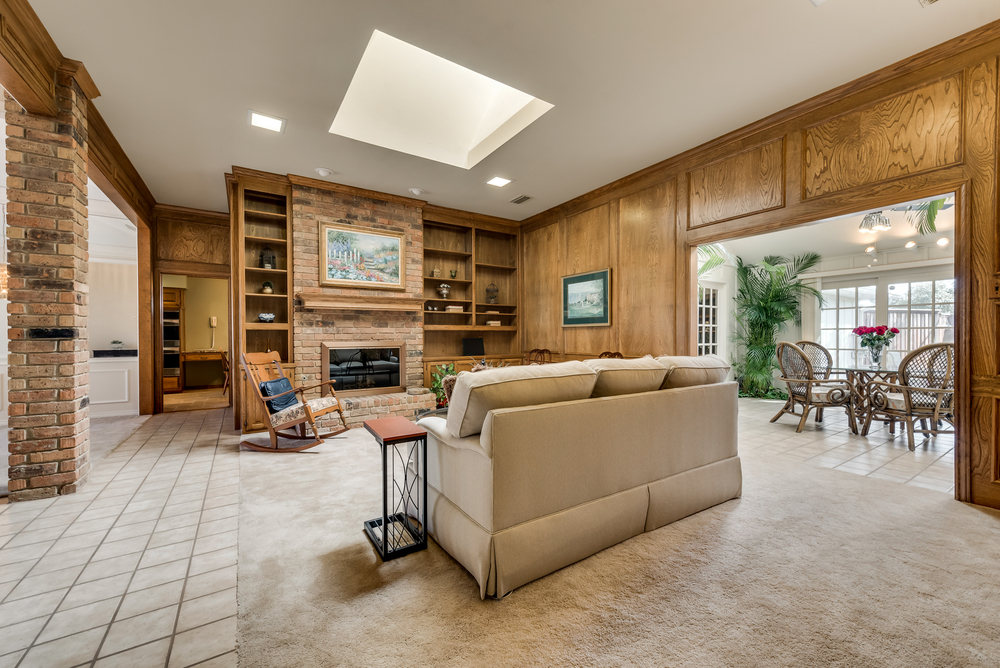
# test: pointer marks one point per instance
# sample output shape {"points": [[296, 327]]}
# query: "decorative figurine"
{"points": [[491, 293], [436, 273], [267, 258]]}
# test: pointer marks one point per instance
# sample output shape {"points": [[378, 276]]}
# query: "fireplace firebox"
{"points": [[362, 368]]}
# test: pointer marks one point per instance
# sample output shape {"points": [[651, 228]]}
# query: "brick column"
{"points": [[49, 427]]}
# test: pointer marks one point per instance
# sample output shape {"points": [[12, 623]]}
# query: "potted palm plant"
{"points": [[767, 298]]}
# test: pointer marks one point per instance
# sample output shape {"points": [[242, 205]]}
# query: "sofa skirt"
{"points": [[507, 559]]}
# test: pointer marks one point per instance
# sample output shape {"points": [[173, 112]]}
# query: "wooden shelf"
{"points": [[268, 325], [449, 312], [442, 251], [451, 301], [470, 328], [265, 239], [266, 271], [492, 306], [446, 280], [495, 266], [321, 302], [261, 294], [270, 214]]}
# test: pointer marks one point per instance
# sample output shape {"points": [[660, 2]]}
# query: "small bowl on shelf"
{"points": [[265, 317]]}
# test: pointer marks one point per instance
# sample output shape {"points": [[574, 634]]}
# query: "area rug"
{"points": [[812, 567]]}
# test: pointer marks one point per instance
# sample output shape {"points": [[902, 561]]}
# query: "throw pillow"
{"points": [[269, 388]]}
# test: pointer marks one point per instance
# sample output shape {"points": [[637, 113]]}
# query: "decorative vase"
{"points": [[267, 290], [444, 292], [117, 346], [436, 273], [454, 273], [875, 358]]}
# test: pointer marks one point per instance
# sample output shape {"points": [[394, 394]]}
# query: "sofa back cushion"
{"points": [[615, 376], [476, 394], [691, 371]]}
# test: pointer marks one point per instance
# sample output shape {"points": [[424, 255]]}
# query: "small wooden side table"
{"points": [[394, 534]]}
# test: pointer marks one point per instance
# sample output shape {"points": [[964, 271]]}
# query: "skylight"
{"points": [[406, 99]]}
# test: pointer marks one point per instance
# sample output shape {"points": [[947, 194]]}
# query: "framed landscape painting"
{"points": [[586, 299], [359, 258]]}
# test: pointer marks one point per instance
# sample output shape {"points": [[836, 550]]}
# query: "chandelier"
{"points": [[875, 222]]}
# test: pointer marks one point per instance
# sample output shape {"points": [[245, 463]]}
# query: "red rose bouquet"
{"points": [[875, 339]]}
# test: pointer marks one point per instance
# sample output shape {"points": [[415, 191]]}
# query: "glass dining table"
{"points": [[860, 379]]}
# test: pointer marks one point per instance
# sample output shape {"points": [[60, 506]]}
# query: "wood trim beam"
{"points": [[307, 182], [29, 58], [118, 178], [443, 214], [187, 213], [78, 71], [323, 302]]}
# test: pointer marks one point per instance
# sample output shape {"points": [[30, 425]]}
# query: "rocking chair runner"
{"points": [[261, 367]]}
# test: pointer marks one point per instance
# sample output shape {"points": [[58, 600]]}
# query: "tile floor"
{"points": [[139, 568], [831, 444], [195, 400]]}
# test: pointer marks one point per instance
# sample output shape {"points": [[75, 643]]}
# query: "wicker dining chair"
{"points": [[822, 364], [608, 354], [806, 389], [924, 393]]}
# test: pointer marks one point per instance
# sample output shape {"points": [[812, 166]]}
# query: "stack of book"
{"points": [[454, 308], [493, 323]]}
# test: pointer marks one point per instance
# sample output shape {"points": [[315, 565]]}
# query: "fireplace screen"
{"points": [[360, 370]]}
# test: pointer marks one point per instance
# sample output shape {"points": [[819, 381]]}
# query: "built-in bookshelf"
{"points": [[480, 258]]}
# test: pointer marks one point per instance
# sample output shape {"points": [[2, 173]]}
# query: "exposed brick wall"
{"points": [[310, 208], [49, 427]]}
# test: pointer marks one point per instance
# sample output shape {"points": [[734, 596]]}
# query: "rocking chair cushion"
{"points": [[269, 388], [299, 410]]}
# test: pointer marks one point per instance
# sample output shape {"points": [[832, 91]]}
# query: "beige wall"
{"points": [[114, 305], [203, 298]]}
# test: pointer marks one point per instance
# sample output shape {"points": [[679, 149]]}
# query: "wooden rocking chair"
{"points": [[262, 367]]}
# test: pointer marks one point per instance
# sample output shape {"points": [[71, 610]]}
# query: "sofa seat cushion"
{"points": [[823, 394], [476, 394], [615, 376], [691, 371]]}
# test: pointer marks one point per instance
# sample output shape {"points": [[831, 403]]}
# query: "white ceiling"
{"points": [[836, 237], [633, 81]]}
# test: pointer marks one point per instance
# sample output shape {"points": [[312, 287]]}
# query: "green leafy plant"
{"points": [[923, 216], [438, 375], [711, 256], [767, 297]]}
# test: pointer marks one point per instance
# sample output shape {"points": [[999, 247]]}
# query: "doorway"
{"points": [[893, 267], [194, 337]]}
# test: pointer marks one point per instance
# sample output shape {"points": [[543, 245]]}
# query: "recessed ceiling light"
{"points": [[417, 191], [943, 241], [498, 181], [259, 120], [911, 244], [870, 249], [324, 172]]}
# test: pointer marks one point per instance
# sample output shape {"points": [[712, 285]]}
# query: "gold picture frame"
{"points": [[359, 257]]}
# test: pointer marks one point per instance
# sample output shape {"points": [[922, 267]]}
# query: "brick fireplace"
{"points": [[360, 317]]}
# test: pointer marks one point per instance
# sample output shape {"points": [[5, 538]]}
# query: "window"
{"points": [[708, 320], [924, 312], [843, 310]]}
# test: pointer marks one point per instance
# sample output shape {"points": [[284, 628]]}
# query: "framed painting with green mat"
{"points": [[586, 299]]}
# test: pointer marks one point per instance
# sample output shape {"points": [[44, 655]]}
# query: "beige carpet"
{"points": [[812, 567]]}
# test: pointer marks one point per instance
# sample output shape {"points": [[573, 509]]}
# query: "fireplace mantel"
{"points": [[321, 302]]}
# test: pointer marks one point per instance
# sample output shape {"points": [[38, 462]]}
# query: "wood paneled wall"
{"points": [[189, 241], [922, 127]]}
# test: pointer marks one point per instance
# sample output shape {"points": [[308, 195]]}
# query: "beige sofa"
{"points": [[538, 467]]}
